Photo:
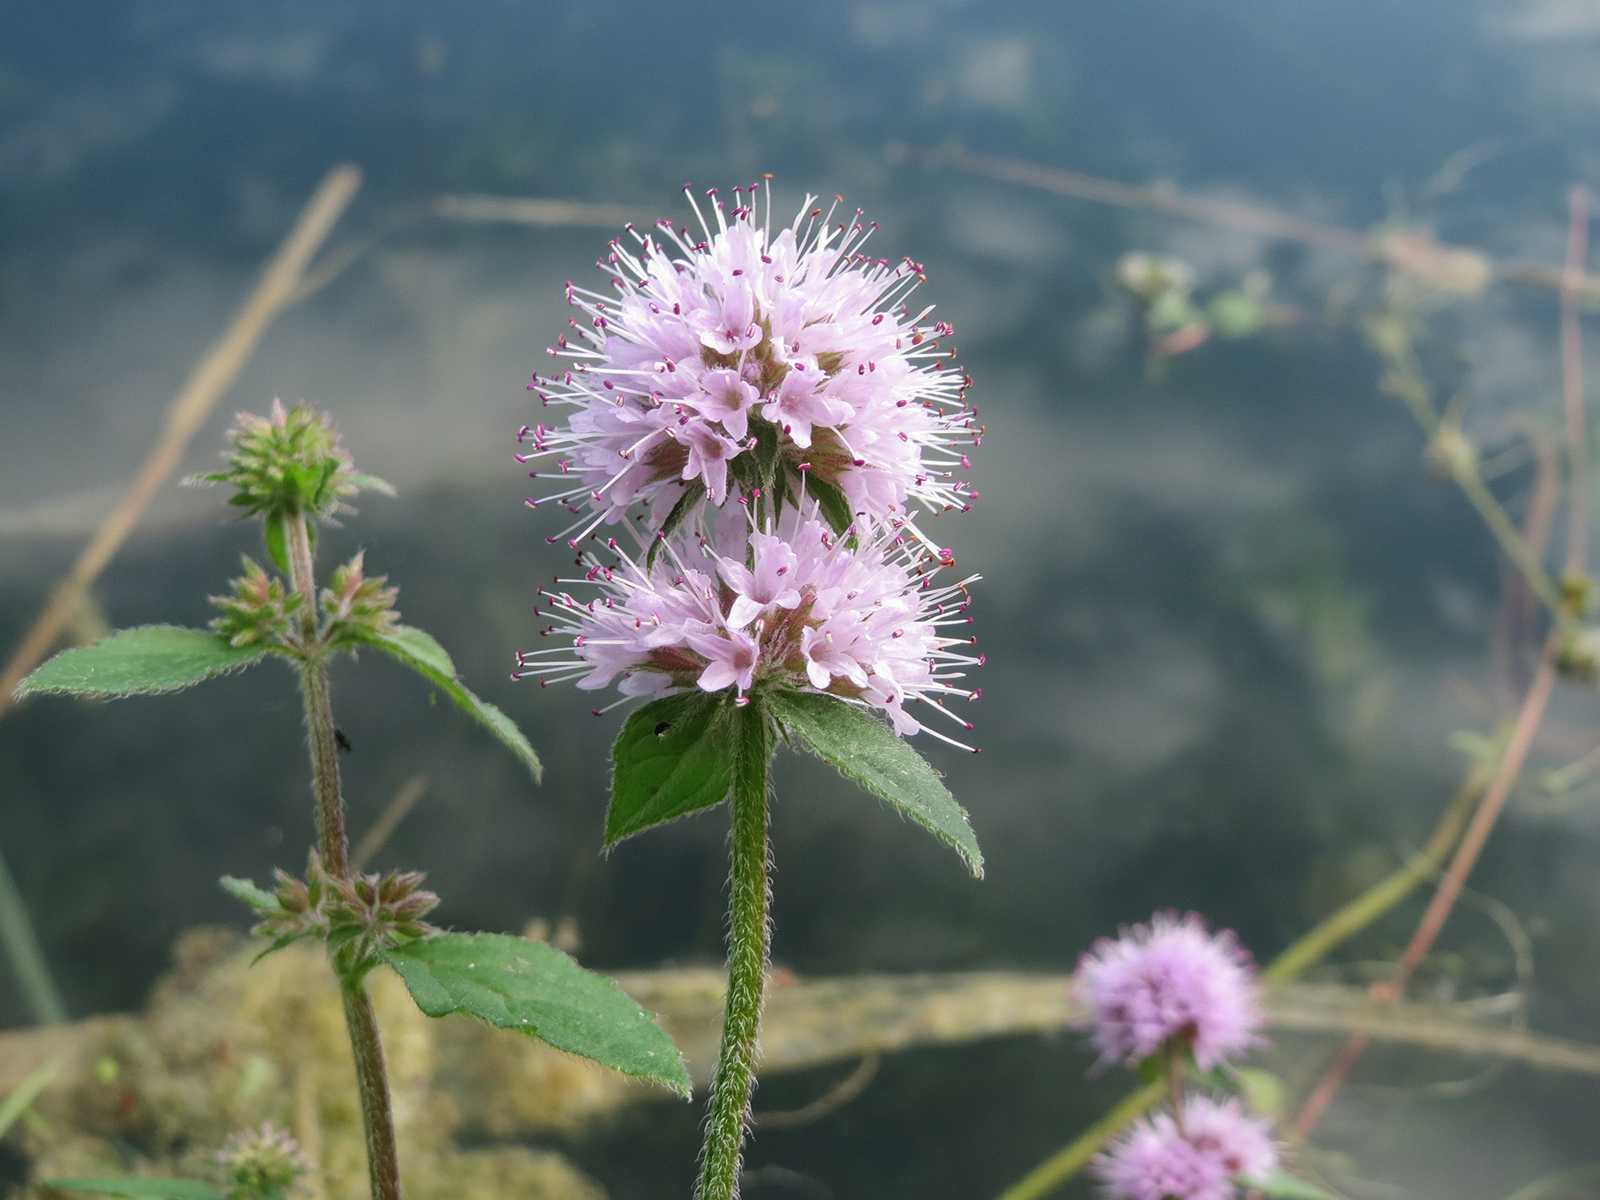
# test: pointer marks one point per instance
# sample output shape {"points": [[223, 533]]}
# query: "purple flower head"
{"points": [[1170, 979], [792, 607], [1216, 1144], [792, 339]]}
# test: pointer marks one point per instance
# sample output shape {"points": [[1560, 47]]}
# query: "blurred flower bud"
{"points": [[1578, 656], [1451, 453], [258, 610], [261, 1163], [1149, 277], [1577, 594]]}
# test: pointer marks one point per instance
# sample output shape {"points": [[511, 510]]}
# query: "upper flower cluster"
{"points": [[797, 606], [1170, 980], [740, 361]]}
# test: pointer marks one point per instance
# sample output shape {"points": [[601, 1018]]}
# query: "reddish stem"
{"points": [[1455, 878], [1572, 380]]}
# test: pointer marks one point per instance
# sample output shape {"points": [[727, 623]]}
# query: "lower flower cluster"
{"points": [[793, 606]]}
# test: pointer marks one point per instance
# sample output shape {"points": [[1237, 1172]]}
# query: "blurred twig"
{"points": [[1384, 895], [1444, 899], [28, 1090], [1252, 219], [1572, 383], [1071, 1159], [513, 210], [825, 1105], [27, 959], [388, 821]]}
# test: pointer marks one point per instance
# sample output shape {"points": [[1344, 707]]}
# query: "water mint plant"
{"points": [[290, 471], [756, 411]]}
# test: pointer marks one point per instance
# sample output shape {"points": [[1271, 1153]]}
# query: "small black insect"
{"points": [[341, 741], [662, 728]]}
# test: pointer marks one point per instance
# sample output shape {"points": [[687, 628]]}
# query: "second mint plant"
{"points": [[289, 471], [753, 412]]}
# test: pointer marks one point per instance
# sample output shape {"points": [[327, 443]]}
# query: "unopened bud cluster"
{"points": [[260, 1163], [259, 609], [364, 913], [289, 464], [355, 606]]}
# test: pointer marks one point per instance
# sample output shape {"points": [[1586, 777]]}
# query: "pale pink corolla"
{"points": [[799, 607], [717, 340]]}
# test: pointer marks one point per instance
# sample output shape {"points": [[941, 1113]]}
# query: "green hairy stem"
{"points": [[748, 943], [382, 1156]]}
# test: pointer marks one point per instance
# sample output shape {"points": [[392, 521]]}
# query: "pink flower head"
{"points": [[796, 607], [739, 335], [1205, 1157], [1170, 979]]}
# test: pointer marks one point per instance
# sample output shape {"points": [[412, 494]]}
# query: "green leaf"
{"points": [[1283, 1186], [513, 983], [277, 538], [26, 1092], [141, 662], [242, 889], [833, 503], [427, 658], [1263, 1091], [674, 756], [371, 483], [139, 1187], [868, 751]]}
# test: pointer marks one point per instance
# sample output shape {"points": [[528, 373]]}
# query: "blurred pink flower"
{"points": [[1170, 979], [1217, 1145]]}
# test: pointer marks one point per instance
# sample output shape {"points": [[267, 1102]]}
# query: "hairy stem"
{"points": [[748, 941], [321, 740], [382, 1159]]}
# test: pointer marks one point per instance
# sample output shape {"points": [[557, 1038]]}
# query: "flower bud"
{"points": [[1578, 656], [259, 609], [356, 605], [261, 1162]]}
